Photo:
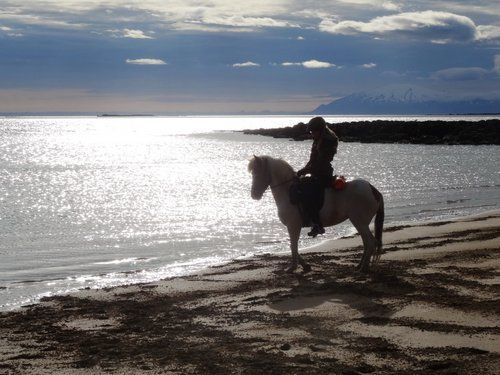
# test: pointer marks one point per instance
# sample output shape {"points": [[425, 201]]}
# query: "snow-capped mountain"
{"points": [[402, 100]]}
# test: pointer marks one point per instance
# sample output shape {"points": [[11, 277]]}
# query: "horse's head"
{"points": [[261, 178]]}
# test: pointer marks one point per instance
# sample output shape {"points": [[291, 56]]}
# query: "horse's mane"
{"points": [[280, 163], [251, 164]]}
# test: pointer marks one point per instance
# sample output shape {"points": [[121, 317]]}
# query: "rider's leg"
{"points": [[315, 207]]}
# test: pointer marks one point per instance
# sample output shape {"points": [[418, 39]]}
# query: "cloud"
{"points": [[468, 73], [438, 27], [369, 65], [145, 62], [315, 64], [247, 64], [10, 32], [310, 64], [311, 13], [488, 33], [15, 35], [204, 15], [389, 5], [128, 33], [376, 4], [461, 74], [135, 34], [475, 7], [300, 38], [246, 22], [236, 16], [38, 20]]}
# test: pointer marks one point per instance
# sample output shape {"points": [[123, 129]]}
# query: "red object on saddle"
{"points": [[339, 183]]}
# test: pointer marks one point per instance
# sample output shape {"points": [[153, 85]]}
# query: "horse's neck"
{"points": [[281, 178], [281, 172]]}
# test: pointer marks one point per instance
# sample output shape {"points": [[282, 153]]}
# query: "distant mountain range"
{"points": [[399, 100]]}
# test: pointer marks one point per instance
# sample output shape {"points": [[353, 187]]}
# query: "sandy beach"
{"points": [[431, 305]]}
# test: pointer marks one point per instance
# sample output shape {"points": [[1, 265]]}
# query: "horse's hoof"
{"points": [[306, 268], [291, 269]]}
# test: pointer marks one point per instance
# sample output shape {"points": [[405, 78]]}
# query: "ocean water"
{"points": [[97, 202]]}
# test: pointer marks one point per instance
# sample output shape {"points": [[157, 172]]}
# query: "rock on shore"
{"points": [[484, 132]]}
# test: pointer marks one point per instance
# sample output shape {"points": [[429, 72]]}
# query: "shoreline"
{"points": [[431, 304], [429, 132], [324, 242]]}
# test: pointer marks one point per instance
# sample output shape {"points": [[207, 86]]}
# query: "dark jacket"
{"points": [[322, 152]]}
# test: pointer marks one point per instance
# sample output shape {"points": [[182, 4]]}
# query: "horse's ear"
{"points": [[257, 159]]}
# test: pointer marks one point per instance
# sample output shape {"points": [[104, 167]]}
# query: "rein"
{"points": [[279, 183], [282, 183]]}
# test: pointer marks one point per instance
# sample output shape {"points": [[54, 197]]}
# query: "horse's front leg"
{"points": [[294, 233]]}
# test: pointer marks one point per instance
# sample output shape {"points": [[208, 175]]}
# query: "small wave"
{"points": [[127, 260], [451, 201], [483, 186], [35, 281], [464, 208]]}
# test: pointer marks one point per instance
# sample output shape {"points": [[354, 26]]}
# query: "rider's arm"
{"points": [[328, 149], [308, 168]]}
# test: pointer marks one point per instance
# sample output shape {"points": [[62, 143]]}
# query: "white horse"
{"points": [[359, 202]]}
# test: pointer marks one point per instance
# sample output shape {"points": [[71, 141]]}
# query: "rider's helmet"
{"points": [[316, 123]]}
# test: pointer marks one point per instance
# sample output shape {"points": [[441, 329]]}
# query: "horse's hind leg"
{"points": [[368, 244]]}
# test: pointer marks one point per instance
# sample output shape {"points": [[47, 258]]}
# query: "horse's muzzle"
{"points": [[256, 195]]}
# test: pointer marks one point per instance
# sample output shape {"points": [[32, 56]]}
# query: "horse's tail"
{"points": [[379, 223]]}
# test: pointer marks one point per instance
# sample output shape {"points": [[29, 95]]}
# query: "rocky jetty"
{"points": [[484, 132]]}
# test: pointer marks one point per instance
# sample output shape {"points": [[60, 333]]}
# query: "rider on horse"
{"points": [[324, 147]]}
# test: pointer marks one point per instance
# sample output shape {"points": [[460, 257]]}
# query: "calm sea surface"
{"points": [[97, 202]]}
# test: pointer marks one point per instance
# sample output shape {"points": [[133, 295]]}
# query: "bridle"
{"points": [[279, 183], [282, 183]]}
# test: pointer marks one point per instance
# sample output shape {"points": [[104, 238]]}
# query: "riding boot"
{"points": [[317, 227], [315, 230]]}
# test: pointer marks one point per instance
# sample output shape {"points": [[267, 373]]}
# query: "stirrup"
{"points": [[315, 230]]}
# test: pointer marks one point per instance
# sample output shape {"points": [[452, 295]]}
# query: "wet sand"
{"points": [[431, 305]]}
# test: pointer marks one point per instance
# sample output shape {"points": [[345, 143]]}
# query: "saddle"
{"points": [[308, 194]]}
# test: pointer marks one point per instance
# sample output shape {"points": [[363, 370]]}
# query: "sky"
{"points": [[229, 56]]}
